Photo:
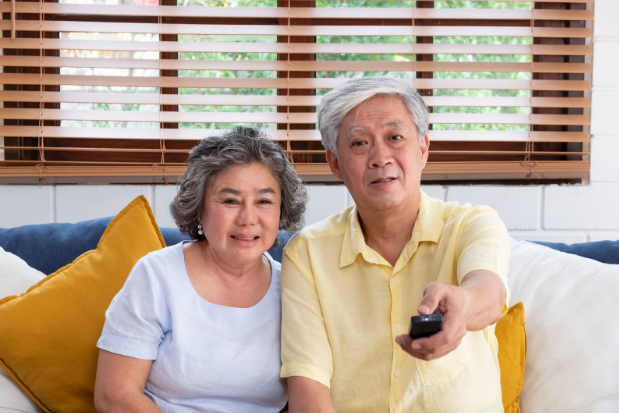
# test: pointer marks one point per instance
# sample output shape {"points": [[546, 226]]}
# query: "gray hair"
{"points": [[239, 146], [336, 104]]}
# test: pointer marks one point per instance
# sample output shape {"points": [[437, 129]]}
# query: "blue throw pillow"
{"points": [[606, 252], [48, 247]]}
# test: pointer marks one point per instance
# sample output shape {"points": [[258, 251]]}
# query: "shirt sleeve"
{"points": [[484, 245], [138, 317], [306, 350]]}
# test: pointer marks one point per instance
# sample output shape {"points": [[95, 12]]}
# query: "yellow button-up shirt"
{"points": [[344, 304]]}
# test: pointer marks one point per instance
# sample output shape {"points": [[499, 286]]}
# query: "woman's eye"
{"points": [[231, 201], [265, 201]]}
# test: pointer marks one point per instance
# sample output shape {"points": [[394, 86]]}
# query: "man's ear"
{"points": [[333, 164], [425, 149]]}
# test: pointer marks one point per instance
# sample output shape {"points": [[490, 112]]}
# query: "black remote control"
{"points": [[425, 325]]}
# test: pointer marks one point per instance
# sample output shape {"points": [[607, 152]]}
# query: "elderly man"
{"points": [[352, 282]]}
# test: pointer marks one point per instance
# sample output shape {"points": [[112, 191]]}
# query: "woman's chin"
{"points": [[246, 253]]}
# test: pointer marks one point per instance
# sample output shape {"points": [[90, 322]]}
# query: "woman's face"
{"points": [[241, 213]]}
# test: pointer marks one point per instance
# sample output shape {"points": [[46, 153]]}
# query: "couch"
{"points": [[569, 300]]}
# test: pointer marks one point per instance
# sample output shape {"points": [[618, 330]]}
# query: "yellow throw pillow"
{"points": [[48, 335], [512, 339]]}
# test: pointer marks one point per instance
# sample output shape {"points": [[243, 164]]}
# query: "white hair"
{"points": [[336, 104]]}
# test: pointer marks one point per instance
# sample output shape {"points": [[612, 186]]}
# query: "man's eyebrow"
{"points": [[354, 129], [396, 123], [392, 123]]}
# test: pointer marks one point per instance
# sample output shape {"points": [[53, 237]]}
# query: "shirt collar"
{"points": [[428, 227]]}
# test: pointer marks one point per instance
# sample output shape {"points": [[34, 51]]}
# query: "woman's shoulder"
{"points": [[161, 263], [172, 252]]}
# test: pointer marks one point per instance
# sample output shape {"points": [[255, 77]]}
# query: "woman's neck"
{"points": [[219, 281]]}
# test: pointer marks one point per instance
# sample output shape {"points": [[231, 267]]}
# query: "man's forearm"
{"points": [[484, 298], [308, 396]]}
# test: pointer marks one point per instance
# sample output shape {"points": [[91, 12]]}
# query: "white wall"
{"points": [[568, 213]]}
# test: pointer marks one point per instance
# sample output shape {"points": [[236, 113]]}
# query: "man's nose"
{"points": [[380, 154]]}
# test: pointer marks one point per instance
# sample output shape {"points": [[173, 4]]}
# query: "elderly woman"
{"points": [[196, 327]]}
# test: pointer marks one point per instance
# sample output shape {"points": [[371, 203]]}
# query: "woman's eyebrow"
{"points": [[229, 191], [235, 192], [266, 191]]}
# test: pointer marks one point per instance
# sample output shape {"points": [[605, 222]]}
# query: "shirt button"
{"points": [[397, 373], [398, 327], [393, 281]]}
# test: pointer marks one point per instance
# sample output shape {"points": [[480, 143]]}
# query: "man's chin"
{"points": [[384, 203]]}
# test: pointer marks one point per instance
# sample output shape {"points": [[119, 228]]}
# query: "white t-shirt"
{"points": [[207, 357]]}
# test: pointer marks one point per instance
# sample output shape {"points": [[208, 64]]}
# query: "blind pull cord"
{"points": [[530, 145]]}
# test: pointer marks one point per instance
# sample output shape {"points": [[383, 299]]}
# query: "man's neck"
{"points": [[387, 232]]}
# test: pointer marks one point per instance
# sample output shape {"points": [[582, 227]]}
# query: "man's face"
{"points": [[379, 156]]}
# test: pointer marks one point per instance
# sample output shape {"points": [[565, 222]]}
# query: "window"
{"points": [[123, 88]]}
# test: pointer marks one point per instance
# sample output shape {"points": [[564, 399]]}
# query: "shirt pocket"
{"points": [[446, 368]]}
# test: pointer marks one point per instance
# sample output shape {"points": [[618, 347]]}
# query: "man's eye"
{"points": [[397, 137], [358, 143]]}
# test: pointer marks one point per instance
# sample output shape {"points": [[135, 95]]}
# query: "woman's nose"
{"points": [[247, 215]]}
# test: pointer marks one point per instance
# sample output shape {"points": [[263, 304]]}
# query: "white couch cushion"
{"points": [[572, 323], [15, 278]]}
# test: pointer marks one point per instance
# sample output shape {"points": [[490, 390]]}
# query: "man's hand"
{"points": [[449, 301], [472, 306]]}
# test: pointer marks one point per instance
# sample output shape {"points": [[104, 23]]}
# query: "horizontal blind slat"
{"points": [[257, 100], [306, 48], [295, 66], [294, 135], [298, 12], [293, 118], [264, 30], [272, 83], [433, 171]]}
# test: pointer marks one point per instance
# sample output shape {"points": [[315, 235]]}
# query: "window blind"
{"points": [[126, 89]]}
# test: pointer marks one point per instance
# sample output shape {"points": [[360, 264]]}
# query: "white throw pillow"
{"points": [[15, 278], [15, 275], [572, 321]]}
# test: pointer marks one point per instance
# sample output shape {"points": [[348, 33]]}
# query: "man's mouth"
{"points": [[382, 181]]}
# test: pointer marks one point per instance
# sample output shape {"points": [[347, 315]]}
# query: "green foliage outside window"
{"points": [[324, 57]]}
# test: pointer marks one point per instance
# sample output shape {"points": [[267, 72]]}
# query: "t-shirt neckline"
{"points": [[194, 293]]}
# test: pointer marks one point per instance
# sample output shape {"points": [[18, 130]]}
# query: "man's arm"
{"points": [[480, 298], [306, 352], [472, 306], [485, 298], [308, 396]]}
